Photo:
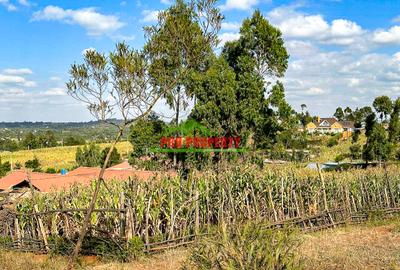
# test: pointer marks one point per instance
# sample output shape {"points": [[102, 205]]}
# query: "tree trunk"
{"points": [[86, 221], [177, 120]]}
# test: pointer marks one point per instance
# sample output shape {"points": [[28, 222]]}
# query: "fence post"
{"points": [[129, 221], [146, 235], [41, 227], [197, 218], [17, 232], [324, 195], [65, 217], [122, 215]]}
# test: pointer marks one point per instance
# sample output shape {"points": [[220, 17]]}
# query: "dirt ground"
{"points": [[353, 247]]}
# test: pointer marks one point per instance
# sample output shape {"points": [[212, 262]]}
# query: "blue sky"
{"points": [[343, 53]]}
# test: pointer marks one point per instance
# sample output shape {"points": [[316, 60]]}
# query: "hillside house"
{"points": [[329, 125]]}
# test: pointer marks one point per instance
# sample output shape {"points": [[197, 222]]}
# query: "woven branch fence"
{"points": [[174, 212]]}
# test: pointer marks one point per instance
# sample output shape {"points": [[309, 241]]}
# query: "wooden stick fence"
{"points": [[320, 221]]}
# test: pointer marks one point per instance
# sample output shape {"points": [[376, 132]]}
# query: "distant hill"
{"points": [[53, 125], [90, 131]]}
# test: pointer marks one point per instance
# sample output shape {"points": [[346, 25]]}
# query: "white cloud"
{"points": [[345, 28], [239, 4], [16, 80], [166, 2], [149, 15], [397, 56], [353, 82], [313, 91], [230, 26], [304, 26], [294, 24], [95, 23], [225, 37], [391, 36], [299, 48], [55, 78], [17, 71], [8, 5], [24, 3], [55, 91], [337, 76]]}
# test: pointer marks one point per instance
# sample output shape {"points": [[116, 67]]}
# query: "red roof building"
{"points": [[45, 182]]}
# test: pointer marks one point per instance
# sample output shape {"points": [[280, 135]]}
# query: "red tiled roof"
{"points": [[83, 175]]}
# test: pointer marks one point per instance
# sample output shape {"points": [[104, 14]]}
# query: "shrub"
{"points": [[17, 165], [332, 141], [251, 246], [115, 157], [340, 158], [4, 168], [135, 247], [355, 151], [74, 140], [33, 164], [88, 156], [51, 170], [6, 241]]}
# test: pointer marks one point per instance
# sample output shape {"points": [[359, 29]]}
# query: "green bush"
{"points": [[251, 246], [51, 170], [33, 164], [88, 156], [5, 167], [115, 157], [135, 247], [332, 141], [5, 241], [60, 245]]}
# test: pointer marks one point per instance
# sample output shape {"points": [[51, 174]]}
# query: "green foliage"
{"points": [[8, 145], [41, 140], [17, 165], [333, 140], [179, 44], [145, 134], [60, 245], [115, 157], [74, 140], [99, 246], [339, 114], [394, 124], [377, 146], [383, 105], [5, 167], [88, 156], [216, 104], [6, 241], [340, 158], [355, 151], [33, 164], [278, 151], [249, 246], [50, 170], [135, 247], [259, 53]]}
